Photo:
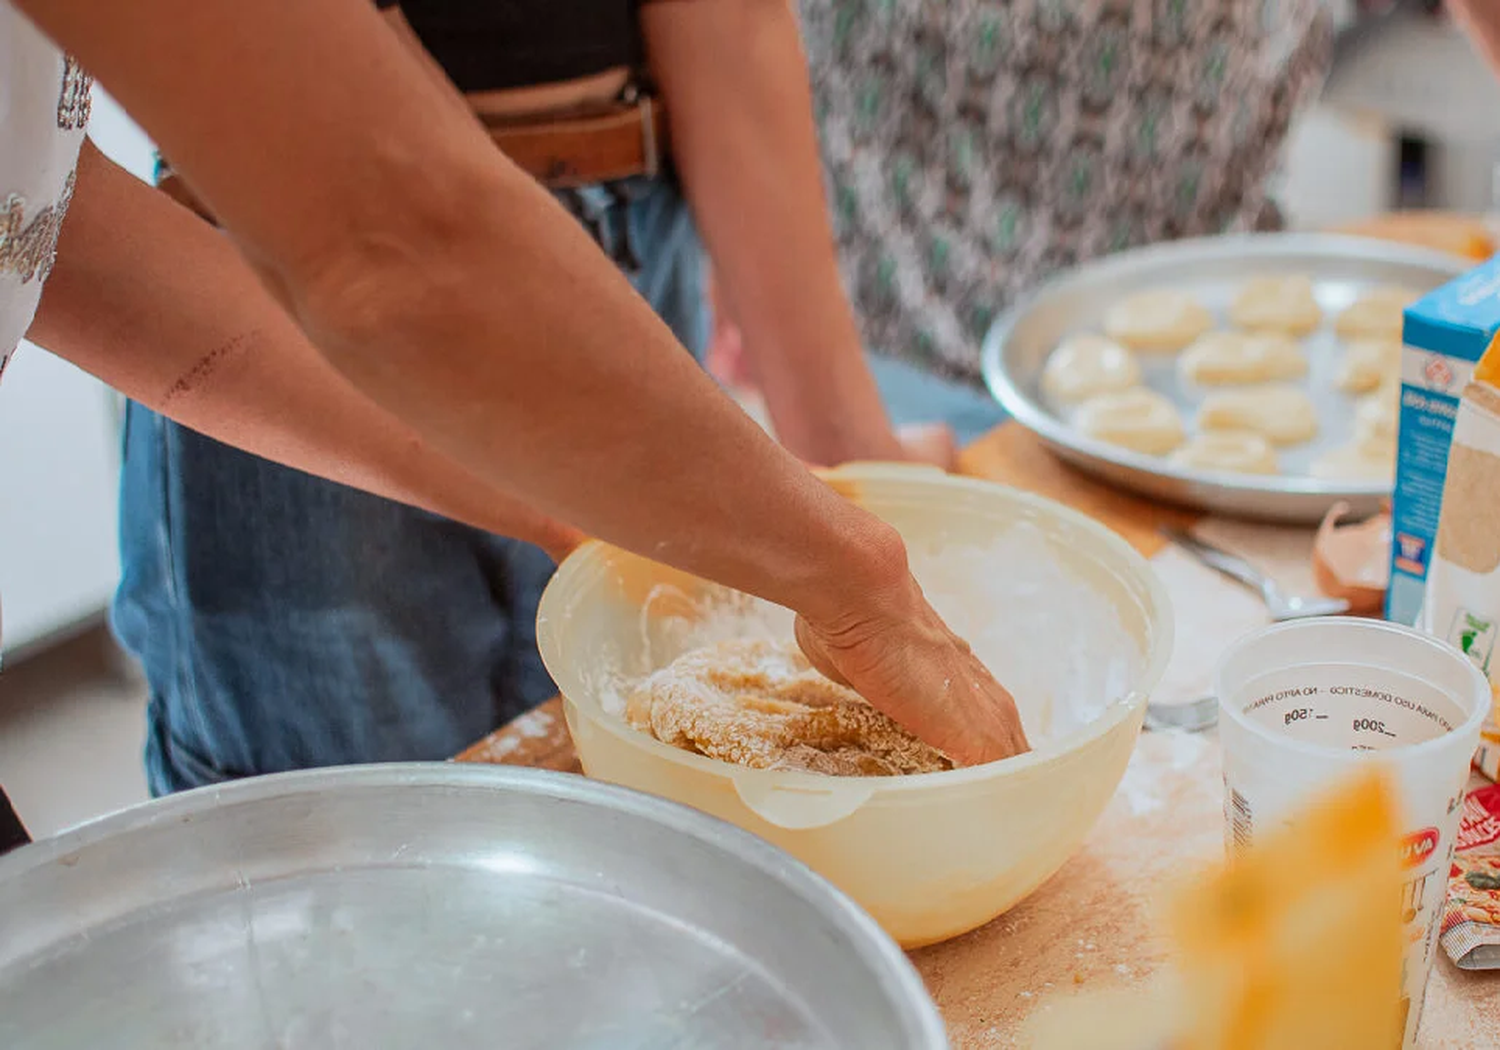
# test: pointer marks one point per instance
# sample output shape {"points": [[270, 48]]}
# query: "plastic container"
{"points": [[929, 856], [1303, 702]]}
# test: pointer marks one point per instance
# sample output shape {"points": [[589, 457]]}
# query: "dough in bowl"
{"points": [[1376, 314], [1227, 358], [1282, 414], [1368, 364], [761, 704], [1283, 303], [1228, 451], [1085, 365], [1161, 321], [1137, 419]]}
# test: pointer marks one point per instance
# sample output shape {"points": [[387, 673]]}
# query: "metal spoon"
{"points": [[1282, 606], [1192, 717]]}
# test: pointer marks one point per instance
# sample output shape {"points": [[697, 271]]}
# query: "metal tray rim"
{"points": [[1023, 408], [895, 969]]}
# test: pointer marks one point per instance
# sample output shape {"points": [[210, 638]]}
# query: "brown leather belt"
{"points": [[560, 154]]}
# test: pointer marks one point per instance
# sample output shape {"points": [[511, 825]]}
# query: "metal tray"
{"points": [[437, 906], [1214, 269]]}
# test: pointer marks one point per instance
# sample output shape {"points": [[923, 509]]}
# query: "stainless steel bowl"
{"points": [[437, 906], [1016, 348]]}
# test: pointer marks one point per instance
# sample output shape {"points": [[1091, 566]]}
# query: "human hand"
{"points": [[902, 658], [930, 443], [557, 539]]}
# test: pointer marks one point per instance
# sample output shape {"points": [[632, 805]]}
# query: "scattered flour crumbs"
{"points": [[1054, 641]]}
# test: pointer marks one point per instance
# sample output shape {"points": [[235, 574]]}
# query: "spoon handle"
{"points": [[1231, 565]]}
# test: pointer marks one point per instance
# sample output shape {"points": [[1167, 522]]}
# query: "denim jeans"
{"points": [[286, 622], [914, 396]]}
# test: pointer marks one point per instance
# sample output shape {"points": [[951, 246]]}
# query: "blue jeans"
{"points": [[286, 622], [914, 396]]}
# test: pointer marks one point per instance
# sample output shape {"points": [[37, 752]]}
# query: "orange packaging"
{"points": [[1487, 758], [1471, 926]]}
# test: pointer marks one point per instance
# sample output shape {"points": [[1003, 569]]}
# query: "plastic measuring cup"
{"points": [[1300, 703]]}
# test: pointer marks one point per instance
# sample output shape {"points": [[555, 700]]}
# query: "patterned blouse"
{"points": [[44, 106], [975, 147]]}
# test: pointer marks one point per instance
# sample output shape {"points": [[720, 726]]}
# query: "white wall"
{"points": [[59, 471]]}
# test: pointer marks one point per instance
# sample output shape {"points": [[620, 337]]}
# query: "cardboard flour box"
{"points": [[1462, 604], [1445, 333]]}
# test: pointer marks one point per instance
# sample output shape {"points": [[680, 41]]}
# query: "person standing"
{"points": [[286, 622], [975, 148], [400, 307]]}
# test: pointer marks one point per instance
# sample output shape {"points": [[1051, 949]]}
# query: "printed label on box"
{"points": [[1445, 333]]}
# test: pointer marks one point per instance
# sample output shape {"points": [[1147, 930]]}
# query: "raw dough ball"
{"points": [[1223, 358], [1376, 417], [1283, 415], [1368, 364], [1230, 451], [1376, 314], [1363, 459], [1277, 304], [1162, 320], [1085, 365], [1138, 419]]}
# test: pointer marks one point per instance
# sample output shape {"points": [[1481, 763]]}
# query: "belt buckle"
{"points": [[650, 148]]}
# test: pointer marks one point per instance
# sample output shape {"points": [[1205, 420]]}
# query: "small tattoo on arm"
{"points": [[205, 367]]}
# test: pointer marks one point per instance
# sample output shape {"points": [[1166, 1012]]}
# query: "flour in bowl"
{"points": [[1054, 641], [761, 704]]}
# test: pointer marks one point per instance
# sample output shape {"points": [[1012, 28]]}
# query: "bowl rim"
{"points": [[588, 558]]}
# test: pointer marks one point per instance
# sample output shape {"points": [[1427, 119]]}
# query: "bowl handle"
{"points": [[799, 808]]}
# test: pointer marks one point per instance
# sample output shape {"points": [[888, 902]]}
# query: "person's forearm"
{"points": [[1481, 20], [734, 81], [456, 293], [217, 354]]}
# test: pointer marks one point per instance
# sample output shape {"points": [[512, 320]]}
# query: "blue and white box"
{"points": [[1445, 333]]}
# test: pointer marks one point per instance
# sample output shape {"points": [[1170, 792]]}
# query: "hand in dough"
{"points": [[1227, 358], [1283, 415], [1163, 320], [1229, 451], [761, 704], [1137, 419], [1283, 304], [1377, 314], [906, 662], [1085, 365], [1368, 364]]}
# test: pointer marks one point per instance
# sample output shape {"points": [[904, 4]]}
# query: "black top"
{"points": [[484, 45], [12, 833]]}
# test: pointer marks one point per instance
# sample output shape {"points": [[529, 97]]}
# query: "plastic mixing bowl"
{"points": [[929, 856]]}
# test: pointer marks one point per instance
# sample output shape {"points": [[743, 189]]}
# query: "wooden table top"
{"points": [[1090, 925]]}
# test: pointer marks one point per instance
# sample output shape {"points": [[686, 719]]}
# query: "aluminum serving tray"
{"points": [[437, 905], [1213, 269]]}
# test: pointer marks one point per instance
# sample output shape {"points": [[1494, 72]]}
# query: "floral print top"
{"points": [[973, 148]]}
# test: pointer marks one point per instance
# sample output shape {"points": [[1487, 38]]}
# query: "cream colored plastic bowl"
{"points": [[929, 856]]}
